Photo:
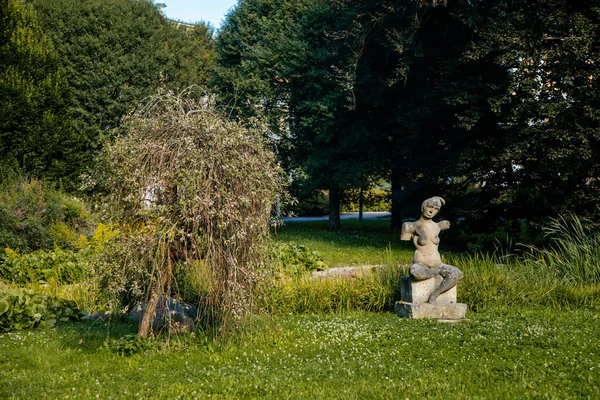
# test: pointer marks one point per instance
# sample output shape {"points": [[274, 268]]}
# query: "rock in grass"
{"points": [[171, 316]]}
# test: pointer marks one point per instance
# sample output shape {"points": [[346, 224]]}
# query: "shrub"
{"points": [[20, 309], [294, 259], [34, 217], [128, 345], [57, 265], [186, 184], [64, 266], [373, 200]]}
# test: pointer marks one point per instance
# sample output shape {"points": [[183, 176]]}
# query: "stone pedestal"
{"points": [[414, 296], [444, 311], [419, 291]]}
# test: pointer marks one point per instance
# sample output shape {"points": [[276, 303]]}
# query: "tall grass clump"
{"points": [[573, 252], [190, 190], [372, 289], [506, 281]]}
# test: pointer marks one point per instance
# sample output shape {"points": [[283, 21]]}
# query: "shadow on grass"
{"points": [[89, 336]]}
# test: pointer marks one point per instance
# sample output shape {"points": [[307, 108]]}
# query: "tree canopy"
{"points": [[492, 104], [73, 70], [36, 134]]}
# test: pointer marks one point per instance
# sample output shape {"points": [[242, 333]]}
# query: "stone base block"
{"points": [[419, 291], [444, 311]]}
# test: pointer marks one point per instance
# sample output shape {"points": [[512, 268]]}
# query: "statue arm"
{"points": [[443, 225], [408, 229]]}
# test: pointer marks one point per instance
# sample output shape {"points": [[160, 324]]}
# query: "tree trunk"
{"points": [[334, 208], [361, 203], [145, 327], [396, 192]]}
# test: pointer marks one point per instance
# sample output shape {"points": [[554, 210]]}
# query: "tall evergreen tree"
{"points": [[35, 133], [117, 52]]}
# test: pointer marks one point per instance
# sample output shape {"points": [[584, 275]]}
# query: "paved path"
{"points": [[348, 215]]}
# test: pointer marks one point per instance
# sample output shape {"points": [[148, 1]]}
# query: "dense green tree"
{"points": [[35, 133], [541, 156], [117, 52], [490, 104], [295, 63]]}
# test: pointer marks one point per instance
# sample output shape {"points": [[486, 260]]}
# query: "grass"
{"points": [[361, 355], [530, 334], [369, 242], [497, 281]]}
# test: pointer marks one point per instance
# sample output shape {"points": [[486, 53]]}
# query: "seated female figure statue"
{"points": [[427, 262]]}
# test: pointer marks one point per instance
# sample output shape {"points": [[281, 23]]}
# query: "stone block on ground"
{"points": [[441, 311], [417, 292]]}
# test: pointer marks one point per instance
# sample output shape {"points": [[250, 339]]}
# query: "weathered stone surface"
{"points": [[344, 272], [171, 315], [427, 261], [441, 311], [412, 291]]}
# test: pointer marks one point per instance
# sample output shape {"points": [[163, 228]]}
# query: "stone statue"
{"points": [[427, 262]]}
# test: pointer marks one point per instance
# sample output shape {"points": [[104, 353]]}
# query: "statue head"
{"points": [[431, 206]]}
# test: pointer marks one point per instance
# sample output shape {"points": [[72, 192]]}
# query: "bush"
{"points": [[313, 203], [128, 345], [34, 217], [186, 185], [63, 266], [373, 200], [20, 309], [57, 265], [294, 259]]}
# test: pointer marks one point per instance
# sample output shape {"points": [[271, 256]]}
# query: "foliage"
{"points": [[481, 102], [373, 200], [513, 354], [294, 63], [20, 309], [128, 345], [314, 203], [64, 266], [573, 253], [541, 160], [36, 136], [295, 259], [33, 216], [112, 54], [187, 185]]}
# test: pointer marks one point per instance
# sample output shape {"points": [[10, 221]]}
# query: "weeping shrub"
{"points": [[186, 186]]}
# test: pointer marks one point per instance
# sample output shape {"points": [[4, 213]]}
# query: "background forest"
{"points": [[493, 104]]}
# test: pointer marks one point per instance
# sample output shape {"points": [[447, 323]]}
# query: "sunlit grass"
{"points": [[532, 354], [369, 242]]}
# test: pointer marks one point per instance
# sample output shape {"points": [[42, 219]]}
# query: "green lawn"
{"points": [[370, 242], [533, 354], [511, 347]]}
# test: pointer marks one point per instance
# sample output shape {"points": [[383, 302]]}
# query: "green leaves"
{"points": [[295, 259], [20, 309], [35, 131]]}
